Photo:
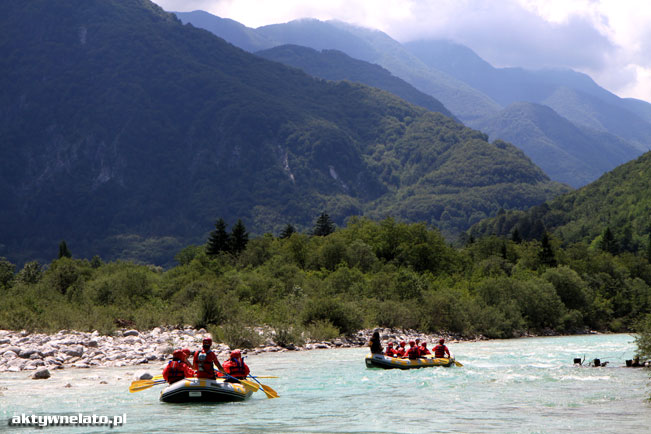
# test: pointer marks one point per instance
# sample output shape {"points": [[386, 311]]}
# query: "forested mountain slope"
{"points": [[479, 94], [127, 134], [618, 201], [336, 65], [566, 152]]}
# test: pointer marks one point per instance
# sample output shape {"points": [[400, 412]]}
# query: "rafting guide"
{"points": [[43, 420]]}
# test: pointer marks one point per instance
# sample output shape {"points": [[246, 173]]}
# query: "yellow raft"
{"points": [[205, 390], [386, 362]]}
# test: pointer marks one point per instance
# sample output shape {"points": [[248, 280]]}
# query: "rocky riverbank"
{"points": [[24, 351]]}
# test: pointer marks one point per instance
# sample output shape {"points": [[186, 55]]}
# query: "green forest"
{"points": [[335, 281]]}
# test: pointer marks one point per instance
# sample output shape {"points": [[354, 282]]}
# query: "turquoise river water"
{"points": [[524, 385]]}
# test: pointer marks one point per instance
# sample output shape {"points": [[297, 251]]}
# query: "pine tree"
{"points": [[239, 238], [515, 237], [324, 225], [287, 231], [63, 250], [546, 255], [608, 242], [219, 239]]}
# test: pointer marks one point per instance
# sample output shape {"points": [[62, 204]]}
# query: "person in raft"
{"points": [[177, 369], [391, 352], [423, 349], [235, 366], [414, 350], [203, 361], [375, 343], [401, 351], [441, 350], [187, 353]]}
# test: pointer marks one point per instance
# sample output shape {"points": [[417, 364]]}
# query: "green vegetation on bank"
{"points": [[365, 274]]}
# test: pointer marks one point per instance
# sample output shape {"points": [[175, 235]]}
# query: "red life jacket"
{"points": [[440, 350], [202, 362], [391, 352], [236, 368], [413, 353], [174, 371]]}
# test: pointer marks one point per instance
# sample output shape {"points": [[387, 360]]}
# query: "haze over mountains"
{"points": [[128, 134], [605, 130]]}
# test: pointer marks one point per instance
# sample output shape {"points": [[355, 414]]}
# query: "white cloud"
{"points": [[608, 39]]}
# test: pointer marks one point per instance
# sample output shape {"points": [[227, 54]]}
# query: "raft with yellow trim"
{"points": [[205, 390], [386, 362]]}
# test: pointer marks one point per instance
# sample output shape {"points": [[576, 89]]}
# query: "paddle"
{"points": [[457, 363], [139, 385], [266, 389]]}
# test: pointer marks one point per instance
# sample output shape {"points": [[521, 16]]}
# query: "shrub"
{"points": [[322, 330], [341, 315], [236, 335]]}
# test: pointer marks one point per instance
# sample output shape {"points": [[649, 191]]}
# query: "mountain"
{"points": [[370, 46], [335, 65], [566, 152], [127, 134], [619, 200], [480, 95], [573, 95], [232, 31]]}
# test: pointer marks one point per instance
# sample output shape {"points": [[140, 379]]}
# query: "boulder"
{"points": [[41, 374], [76, 351], [130, 333], [26, 353], [143, 375]]}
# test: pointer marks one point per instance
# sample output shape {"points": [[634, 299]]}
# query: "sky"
{"points": [[610, 40]]}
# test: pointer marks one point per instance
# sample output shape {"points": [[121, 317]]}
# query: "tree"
{"points": [[287, 231], [31, 272], [546, 255], [239, 238], [515, 237], [608, 242], [63, 250], [7, 270], [324, 225], [219, 239]]}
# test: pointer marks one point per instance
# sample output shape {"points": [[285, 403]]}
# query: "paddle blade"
{"points": [[139, 385], [458, 364], [250, 385], [269, 391]]}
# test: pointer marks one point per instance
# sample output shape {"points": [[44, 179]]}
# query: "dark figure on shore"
{"points": [[376, 343], [441, 350]]}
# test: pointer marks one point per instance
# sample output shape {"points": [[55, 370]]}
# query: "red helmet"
{"points": [[390, 344], [402, 343], [179, 354], [441, 341], [412, 343], [187, 352], [424, 344], [236, 354], [207, 342]]}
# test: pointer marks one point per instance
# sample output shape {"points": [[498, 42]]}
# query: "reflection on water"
{"points": [[521, 385]]}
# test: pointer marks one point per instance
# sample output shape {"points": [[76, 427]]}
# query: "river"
{"points": [[526, 385]]}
